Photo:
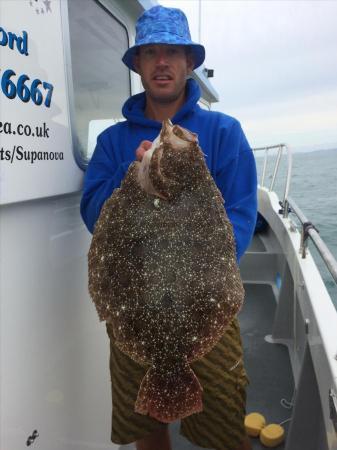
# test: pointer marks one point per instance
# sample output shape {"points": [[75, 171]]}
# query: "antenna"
{"points": [[199, 28]]}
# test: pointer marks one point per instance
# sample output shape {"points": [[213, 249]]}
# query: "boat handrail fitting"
{"points": [[306, 226]]}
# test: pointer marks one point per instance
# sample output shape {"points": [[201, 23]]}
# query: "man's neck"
{"points": [[162, 111]]}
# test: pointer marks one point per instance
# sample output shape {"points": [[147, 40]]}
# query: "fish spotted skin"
{"points": [[163, 271]]}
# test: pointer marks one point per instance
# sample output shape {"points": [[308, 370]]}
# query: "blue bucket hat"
{"points": [[160, 25]]}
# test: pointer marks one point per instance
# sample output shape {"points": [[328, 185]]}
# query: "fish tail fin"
{"points": [[169, 396]]}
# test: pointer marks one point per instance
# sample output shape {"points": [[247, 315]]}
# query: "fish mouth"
{"points": [[184, 135], [176, 135]]}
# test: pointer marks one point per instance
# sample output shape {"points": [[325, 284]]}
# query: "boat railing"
{"points": [[280, 150], [308, 229]]}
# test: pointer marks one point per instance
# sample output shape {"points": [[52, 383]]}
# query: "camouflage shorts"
{"points": [[222, 375]]}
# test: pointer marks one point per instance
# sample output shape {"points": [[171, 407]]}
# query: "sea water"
{"points": [[314, 189]]}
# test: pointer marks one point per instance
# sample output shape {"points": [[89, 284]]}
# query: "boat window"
{"points": [[101, 82]]}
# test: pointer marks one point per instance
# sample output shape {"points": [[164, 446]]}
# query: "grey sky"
{"points": [[275, 66]]}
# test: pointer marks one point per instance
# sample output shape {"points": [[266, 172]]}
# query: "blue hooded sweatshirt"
{"points": [[227, 152]]}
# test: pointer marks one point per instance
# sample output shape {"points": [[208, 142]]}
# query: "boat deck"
{"points": [[268, 365]]}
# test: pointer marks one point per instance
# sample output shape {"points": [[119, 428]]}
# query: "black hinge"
{"points": [[281, 211]]}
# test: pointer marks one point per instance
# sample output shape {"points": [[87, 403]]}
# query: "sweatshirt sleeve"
{"points": [[103, 175], [237, 180]]}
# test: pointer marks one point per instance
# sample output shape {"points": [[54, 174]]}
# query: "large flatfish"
{"points": [[163, 271]]}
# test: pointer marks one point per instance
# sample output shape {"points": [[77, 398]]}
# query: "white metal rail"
{"points": [[290, 206], [280, 149]]}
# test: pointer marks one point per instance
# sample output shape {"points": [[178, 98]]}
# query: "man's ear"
{"points": [[190, 63]]}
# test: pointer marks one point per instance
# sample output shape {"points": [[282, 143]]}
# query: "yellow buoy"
{"points": [[272, 435], [254, 422]]}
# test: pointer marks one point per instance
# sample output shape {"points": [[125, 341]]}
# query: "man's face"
{"points": [[163, 70]]}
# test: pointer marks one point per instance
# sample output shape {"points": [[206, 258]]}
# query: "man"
{"points": [[164, 56]]}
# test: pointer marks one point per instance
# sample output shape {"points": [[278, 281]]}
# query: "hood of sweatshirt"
{"points": [[133, 109]]}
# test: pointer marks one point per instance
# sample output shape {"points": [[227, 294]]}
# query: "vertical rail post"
{"points": [[264, 167], [277, 163], [287, 185]]}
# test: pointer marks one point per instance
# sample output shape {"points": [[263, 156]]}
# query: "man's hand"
{"points": [[143, 147]]}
